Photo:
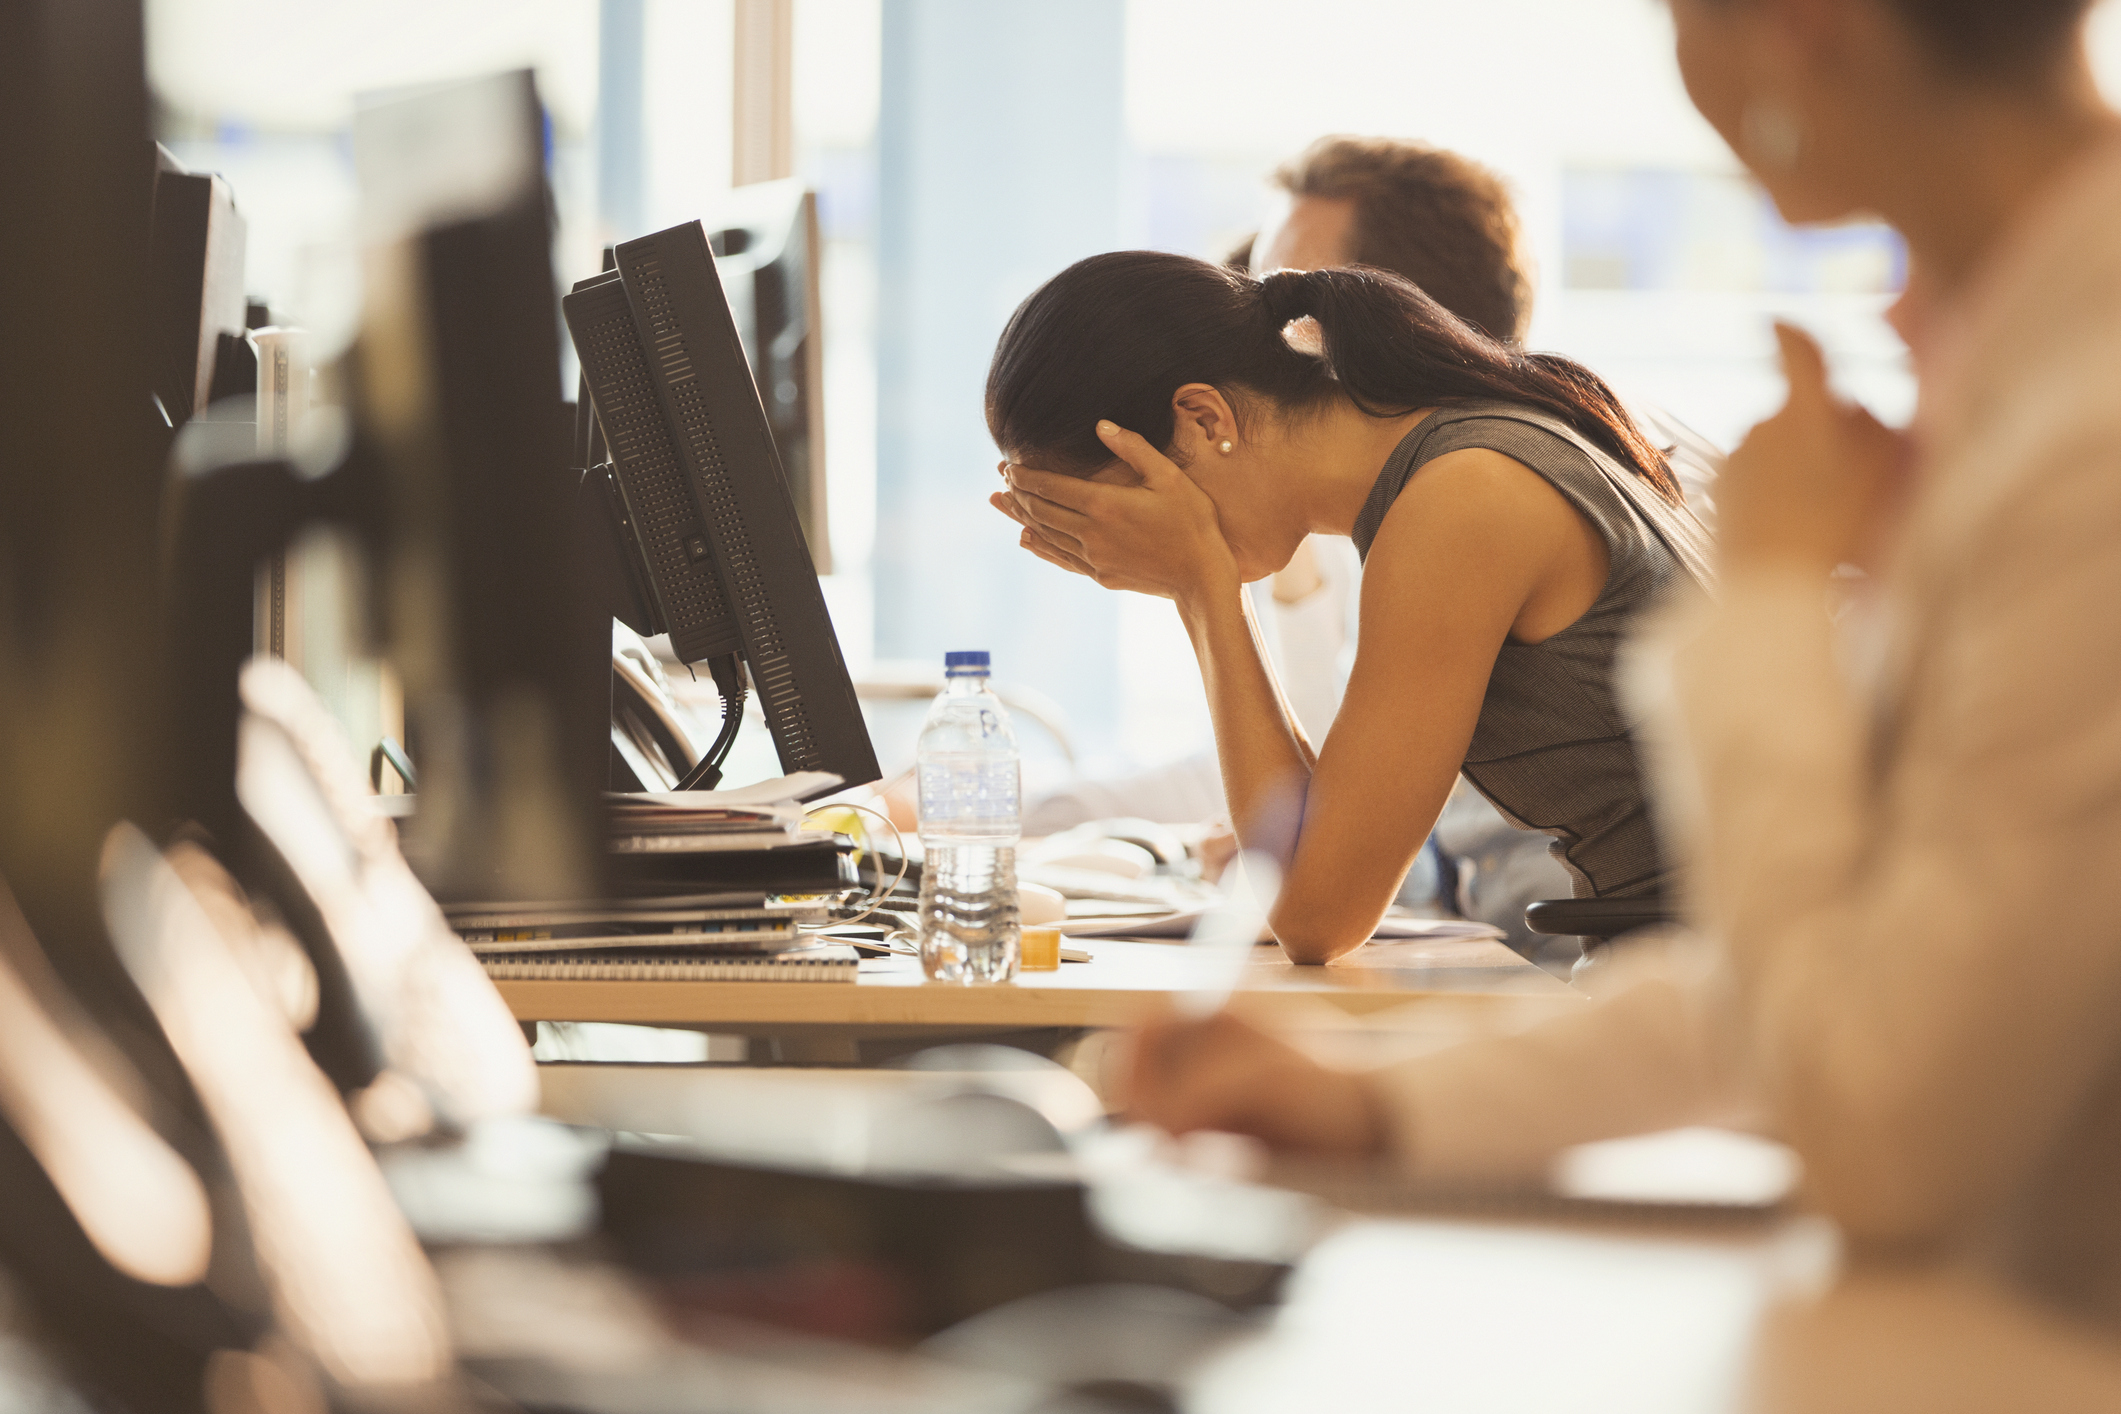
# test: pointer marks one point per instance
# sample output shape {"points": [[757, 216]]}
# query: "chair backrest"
{"points": [[1596, 917]]}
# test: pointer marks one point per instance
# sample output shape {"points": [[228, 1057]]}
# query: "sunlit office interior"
{"points": [[922, 705]]}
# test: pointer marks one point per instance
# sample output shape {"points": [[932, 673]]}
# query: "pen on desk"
{"points": [[1226, 934]]}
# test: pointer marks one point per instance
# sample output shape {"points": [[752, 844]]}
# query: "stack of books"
{"points": [[675, 843], [713, 886]]}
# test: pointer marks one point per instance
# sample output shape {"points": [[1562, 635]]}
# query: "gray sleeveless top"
{"points": [[1552, 749]]}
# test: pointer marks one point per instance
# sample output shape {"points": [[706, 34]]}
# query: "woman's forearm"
{"points": [[1265, 760]]}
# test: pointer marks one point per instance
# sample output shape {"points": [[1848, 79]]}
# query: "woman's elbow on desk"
{"points": [[1315, 925], [1312, 945]]}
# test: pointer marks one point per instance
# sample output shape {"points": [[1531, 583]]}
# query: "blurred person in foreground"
{"points": [[1905, 842]]}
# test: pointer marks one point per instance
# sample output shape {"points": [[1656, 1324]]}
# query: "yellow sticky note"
{"points": [[1040, 950]]}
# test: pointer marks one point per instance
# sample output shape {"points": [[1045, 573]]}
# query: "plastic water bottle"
{"points": [[971, 819]]}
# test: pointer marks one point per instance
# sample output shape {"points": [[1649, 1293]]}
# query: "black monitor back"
{"points": [[767, 251], [83, 734], [457, 402], [706, 493], [85, 738], [197, 272]]}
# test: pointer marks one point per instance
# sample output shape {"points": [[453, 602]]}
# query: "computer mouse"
{"points": [[1037, 904]]}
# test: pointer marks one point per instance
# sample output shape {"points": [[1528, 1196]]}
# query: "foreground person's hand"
{"points": [[1222, 1074], [1157, 536], [1816, 485], [1217, 848]]}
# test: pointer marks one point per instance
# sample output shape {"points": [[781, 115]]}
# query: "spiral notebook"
{"points": [[829, 962]]}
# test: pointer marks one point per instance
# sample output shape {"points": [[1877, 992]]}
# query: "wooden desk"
{"points": [[1121, 982], [1620, 1314], [1613, 1313]]}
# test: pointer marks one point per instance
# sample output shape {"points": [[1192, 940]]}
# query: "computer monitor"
{"points": [[454, 481], [705, 497], [196, 269], [457, 401], [766, 249], [85, 734]]}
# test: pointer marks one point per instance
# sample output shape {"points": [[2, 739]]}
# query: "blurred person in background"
{"points": [[1905, 832], [1448, 224]]}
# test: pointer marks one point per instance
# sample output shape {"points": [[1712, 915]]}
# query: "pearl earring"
{"points": [[1228, 446]]}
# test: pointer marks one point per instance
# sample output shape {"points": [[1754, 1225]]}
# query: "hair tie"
{"points": [[1287, 294]]}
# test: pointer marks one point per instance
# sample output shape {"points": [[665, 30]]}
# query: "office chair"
{"points": [[1597, 920]]}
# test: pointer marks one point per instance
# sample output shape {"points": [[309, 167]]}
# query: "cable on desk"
{"points": [[898, 841], [728, 674]]}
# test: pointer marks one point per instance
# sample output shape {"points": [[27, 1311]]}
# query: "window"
{"points": [[963, 152]]}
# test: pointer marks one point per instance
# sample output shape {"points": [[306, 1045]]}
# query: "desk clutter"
{"points": [[716, 886], [727, 937], [972, 1204]]}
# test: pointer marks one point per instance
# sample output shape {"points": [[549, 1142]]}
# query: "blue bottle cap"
{"points": [[961, 662]]}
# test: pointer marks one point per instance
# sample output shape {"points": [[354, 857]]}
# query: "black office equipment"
{"points": [[454, 482], [704, 497], [889, 1252], [85, 739], [455, 479], [819, 866], [235, 368], [767, 251], [197, 293], [1598, 920], [652, 480], [480, 499]]}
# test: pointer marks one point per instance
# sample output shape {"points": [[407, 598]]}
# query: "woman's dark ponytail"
{"points": [[1116, 335], [1286, 295], [1393, 349]]}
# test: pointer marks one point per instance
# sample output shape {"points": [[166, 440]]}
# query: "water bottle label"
{"points": [[975, 791]]}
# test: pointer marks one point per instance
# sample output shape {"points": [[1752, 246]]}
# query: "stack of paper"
{"points": [[763, 816], [719, 923], [702, 841], [704, 879]]}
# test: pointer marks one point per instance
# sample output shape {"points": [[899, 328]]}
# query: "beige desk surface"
{"points": [[1122, 980], [1469, 1316], [1546, 1316]]}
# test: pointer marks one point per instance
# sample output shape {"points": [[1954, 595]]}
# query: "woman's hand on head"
{"points": [[1159, 536], [1223, 1074], [1815, 486]]}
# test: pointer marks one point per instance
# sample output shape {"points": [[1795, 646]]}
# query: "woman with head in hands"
{"points": [[1165, 433]]}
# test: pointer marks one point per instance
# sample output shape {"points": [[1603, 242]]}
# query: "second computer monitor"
{"points": [[706, 494], [766, 250], [197, 244]]}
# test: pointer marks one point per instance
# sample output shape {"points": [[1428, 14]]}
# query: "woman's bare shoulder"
{"points": [[1477, 527], [1477, 491]]}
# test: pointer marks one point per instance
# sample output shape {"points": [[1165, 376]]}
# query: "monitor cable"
{"points": [[884, 891], [728, 674]]}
